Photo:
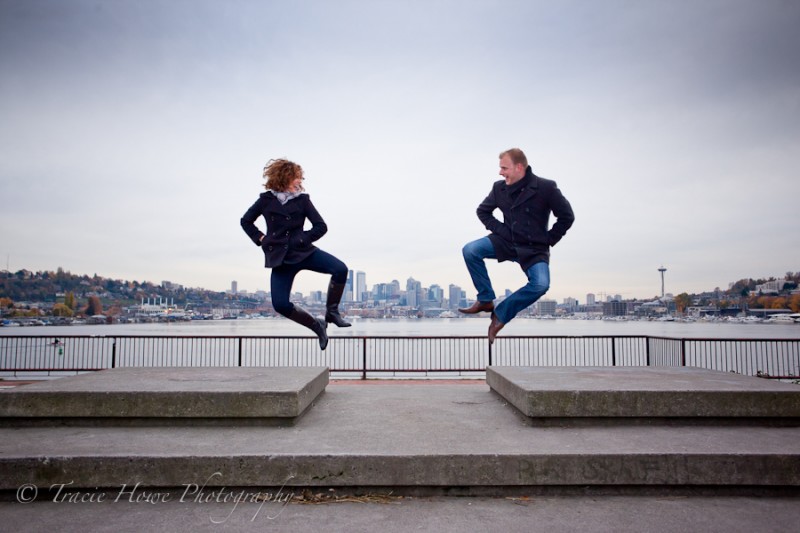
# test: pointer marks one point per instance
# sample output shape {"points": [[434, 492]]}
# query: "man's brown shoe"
{"points": [[494, 328], [477, 307]]}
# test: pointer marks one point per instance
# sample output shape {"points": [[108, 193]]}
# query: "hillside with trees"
{"points": [[63, 294]]}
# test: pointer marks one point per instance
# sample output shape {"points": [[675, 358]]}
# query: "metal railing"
{"points": [[380, 356]]}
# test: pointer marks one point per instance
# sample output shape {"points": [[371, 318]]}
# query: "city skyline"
{"points": [[350, 294], [134, 135]]}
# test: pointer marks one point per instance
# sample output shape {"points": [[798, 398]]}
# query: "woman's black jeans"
{"points": [[283, 277]]}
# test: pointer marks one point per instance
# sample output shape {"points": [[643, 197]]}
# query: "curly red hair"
{"points": [[280, 173]]}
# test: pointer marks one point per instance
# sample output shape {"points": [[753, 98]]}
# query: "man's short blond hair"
{"points": [[516, 155]]}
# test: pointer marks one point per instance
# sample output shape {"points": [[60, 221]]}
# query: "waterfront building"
{"points": [[615, 308], [770, 287], [546, 307]]}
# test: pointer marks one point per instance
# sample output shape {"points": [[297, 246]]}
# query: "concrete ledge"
{"points": [[401, 435], [605, 469], [641, 392], [169, 395]]}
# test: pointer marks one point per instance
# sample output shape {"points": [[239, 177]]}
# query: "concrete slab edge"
{"points": [[434, 470]]}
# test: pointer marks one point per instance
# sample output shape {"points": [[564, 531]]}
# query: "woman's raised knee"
{"points": [[282, 308]]}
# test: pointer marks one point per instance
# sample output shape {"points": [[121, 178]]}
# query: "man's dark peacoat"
{"points": [[523, 235], [285, 240]]}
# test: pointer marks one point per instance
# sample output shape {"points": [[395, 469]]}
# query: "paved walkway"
{"points": [[586, 514]]}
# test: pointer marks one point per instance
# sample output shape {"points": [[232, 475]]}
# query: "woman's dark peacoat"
{"points": [[285, 241]]}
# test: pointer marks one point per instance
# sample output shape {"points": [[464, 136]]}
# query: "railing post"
{"points": [[363, 358], [490, 354], [683, 352], [114, 353], [647, 350], [613, 351], [240, 351]]}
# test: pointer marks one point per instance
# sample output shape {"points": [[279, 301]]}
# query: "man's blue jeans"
{"points": [[476, 252]]}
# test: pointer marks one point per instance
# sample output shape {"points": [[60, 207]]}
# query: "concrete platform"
{"points": [[152, 396], [458, 439], [604, 394]]}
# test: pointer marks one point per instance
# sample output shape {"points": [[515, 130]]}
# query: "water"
{"points": [[456, 327]]}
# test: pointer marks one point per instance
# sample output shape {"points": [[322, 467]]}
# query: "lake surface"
{"points": [[456, 327]]}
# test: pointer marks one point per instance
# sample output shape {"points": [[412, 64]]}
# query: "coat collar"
{"points": [[277, 206], [530, 186]]}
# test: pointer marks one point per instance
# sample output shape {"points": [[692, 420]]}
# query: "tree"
{"points": [[763, 302], [61, 310], [779, 303], [69, 300], [94, 307], [682, 301]]}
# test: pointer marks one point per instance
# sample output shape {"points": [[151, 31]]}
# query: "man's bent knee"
{"points": [[538, 290], [540, 287], [469, 251]]}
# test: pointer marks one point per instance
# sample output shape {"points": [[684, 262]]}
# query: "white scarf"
{"points": [[284, 197]]}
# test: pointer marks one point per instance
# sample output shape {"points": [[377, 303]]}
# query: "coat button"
{"points": [[288, 218]]}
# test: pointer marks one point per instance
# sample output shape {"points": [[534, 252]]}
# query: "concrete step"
{"points": [[459, 437], [166, 396], [613, 395]]}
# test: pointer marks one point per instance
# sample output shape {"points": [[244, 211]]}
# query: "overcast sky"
{"points": [[133, 135]]}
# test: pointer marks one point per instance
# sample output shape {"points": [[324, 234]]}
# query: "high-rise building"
{"points": [[348, 288], [379, 291], [234, 287], [413, 292], [436, 294], [454, 296], [360, 287], [590, 299]]}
